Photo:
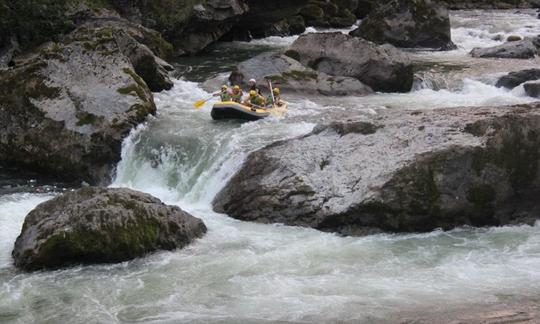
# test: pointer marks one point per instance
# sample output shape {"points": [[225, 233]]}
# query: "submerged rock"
{"points": [[66, 107], [411, 24], [402, 171], [98, 225], [532, 89], [513, 79], [288, 74], [524, 49], [383, 68]]}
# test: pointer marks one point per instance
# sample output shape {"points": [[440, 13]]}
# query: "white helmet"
{"points": [[252, 81]]}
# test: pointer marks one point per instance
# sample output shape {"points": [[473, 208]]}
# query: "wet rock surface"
{"points": [[524, 49], [406, 171], [98, 225], [410, 24], [513, 79], [66, 107], [288, 74], [381, 67], [532, 88]]}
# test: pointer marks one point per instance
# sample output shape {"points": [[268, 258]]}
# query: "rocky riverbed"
{"points": [[410, 175]]}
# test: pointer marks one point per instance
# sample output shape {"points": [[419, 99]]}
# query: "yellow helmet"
{"points": [[224, 87], [236, 87], [276, 90], [252, 93]]}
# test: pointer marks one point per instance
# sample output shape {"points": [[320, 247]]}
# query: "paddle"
{"points": [[201, 102], [272, 93]]}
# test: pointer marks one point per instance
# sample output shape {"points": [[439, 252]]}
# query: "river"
{"points": [[243, 272]]}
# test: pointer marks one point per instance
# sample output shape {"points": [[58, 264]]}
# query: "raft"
{"points": [[234, 110]]}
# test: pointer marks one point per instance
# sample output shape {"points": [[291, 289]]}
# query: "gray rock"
{"points": [[410, 24], [208, 22], [401, 171], [383, 68], [524, 49], [289, 75], [532, 89], [66, 107], [98, 225], [263, 16], [513, 79]]}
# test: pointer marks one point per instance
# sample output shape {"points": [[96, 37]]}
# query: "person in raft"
{"points": [[254, 101], [252, 83], [237, 94], [224, 94], [274, 99]]}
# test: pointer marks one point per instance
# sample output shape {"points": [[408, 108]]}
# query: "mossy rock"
{"points": [[99, 225]]}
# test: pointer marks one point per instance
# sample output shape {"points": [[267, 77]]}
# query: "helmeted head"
{"points": [[252, 82], [252, 93], [236, 88], [276, 91], [224, 87]]}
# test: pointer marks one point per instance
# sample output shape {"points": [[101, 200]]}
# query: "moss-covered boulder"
{"points": [[66, 107], [98, 225], [407, 171], [410, 24]]}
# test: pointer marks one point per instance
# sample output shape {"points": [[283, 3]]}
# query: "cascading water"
{"points": [[244, 272]]}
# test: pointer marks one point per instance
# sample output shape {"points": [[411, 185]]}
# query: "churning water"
{"points": [[244, 272]]}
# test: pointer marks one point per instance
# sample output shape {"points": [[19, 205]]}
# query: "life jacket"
{"points": [[225, 96], [237, 97], [257, 101]]}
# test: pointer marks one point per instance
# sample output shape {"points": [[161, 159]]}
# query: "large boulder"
{"points": [[66, 107], [532, 89], [410, 24], [190, 25], [98, 225], [404, 171], [267, 18], [524, 49], [513, 79], [289, 75], [332, 13], [383, 68]]}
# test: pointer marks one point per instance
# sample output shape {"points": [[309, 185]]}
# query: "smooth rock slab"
{"points": [[98, 225], [400, 171]]}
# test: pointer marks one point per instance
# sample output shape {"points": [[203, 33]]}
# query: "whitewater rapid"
{"points": [[250, 273]]}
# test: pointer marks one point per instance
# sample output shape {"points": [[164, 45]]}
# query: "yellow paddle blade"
{"points": [[199, 103]]}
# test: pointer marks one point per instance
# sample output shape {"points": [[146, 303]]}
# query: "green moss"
{"points": [[134, 90], [293, 54], [86, 118], [305, 75], [482, 195], [90, 46], [515, 150], [276, 79]]}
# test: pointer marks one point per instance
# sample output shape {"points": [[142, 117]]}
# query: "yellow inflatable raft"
{"points": [[234, 110]]}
